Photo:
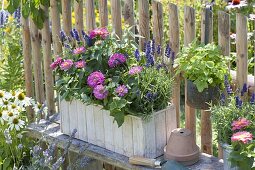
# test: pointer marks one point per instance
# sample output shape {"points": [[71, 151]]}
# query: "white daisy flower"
{"points": [[21, 100], [16, 123], [9, 114], [39, 108], [5, 103], [1, 118], [5, 95]]}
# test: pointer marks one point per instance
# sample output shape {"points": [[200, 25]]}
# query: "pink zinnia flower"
{"points": [[56, 63], [80, 64], [240, 123], [100, 92], [66, 65], [101, 32], [116, 59], [95, 78], [79, 50], [135, 70], [243, 136], [121, 90]]}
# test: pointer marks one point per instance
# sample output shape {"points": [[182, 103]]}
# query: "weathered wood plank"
{"points": [[99, 126], [82, 128], [108, 131], [67, 15], [241, 49], [144, 22], [157, 20], [128, 136], [128, 14], [189, 36], [118, 138], [138, 134], [116, 17], [65, 122], [78, 14], [150, 138], [90, 123], [103, 13], [90, 15], [160, 131], [171, 121], [174, 42], [73, 117]]}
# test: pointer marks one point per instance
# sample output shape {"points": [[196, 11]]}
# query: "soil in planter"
{"points": [[201, 100]]}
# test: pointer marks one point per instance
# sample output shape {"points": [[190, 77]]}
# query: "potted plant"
{"points": [[233, 119], [204, 68], [120, 88]]}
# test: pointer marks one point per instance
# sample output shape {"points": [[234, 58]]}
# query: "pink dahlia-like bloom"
{"points": [[56, 63], [240, 123], [100, 92], [95, 78], [135, 70], [66, 65], [101, 32], [116, 59], [121, 90], [79, 50], [242, 136], [80, 64]]}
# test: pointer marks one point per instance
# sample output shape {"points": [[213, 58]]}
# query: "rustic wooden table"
{"points": [[51, 132]]}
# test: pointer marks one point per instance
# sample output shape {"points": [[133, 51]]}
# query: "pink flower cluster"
{"points": [[80, 64], [243, 136], [56, 63], [116, 59], [66, 64], [135, 70], [240, 124], [96, 80], [121, 90], [100, 92], [99, 32], [79, 50]]}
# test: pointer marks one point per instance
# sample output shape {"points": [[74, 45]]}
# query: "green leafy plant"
{"points": [[113, 73], [233, 119], [202, 64]]}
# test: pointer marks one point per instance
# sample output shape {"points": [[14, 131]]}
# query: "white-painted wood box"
{"points": [[134, 137]]}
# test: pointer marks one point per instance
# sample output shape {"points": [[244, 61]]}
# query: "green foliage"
{"points": [[11, 68], [202, 64], [31, 8]]}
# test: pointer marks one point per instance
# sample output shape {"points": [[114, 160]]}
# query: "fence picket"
{"points": [[90, 15], [174, 34], [189, 36], [103, 12], [157, 20], [48, 74], [144, 22], [78, 14], [129, 15], [67, 15], [241, 49], [116, 17]]}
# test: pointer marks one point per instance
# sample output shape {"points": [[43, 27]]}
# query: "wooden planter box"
{"points": [[134, 137]]}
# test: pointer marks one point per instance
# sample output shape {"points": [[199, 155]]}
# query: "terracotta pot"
{"points": [[200, 100], [181, 147]]}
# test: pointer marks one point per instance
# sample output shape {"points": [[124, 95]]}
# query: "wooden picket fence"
{"points": [[37, 65]]}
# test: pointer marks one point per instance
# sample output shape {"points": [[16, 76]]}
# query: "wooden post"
{"points": [[144, 22], [103, 12], [48, 74], [174, 34], [129, 15], [189, 36], [116, 17], [206, 125], [78, 14], [37, 63], [56, 27], [67, 16], [90, 15], [27, 64], [157, 19], [224, 43], [241, 49]]}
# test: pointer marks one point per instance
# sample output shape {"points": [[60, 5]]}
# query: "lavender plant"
{"points": [[101, 69]]}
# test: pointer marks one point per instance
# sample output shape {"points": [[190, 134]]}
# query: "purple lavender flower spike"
{"points": [[17, 15], [244, 89], [158, 49], [76, 35], [153, 47], [252, 100], [137, 55], [239, 102], [62, 36], [222, 98]]}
